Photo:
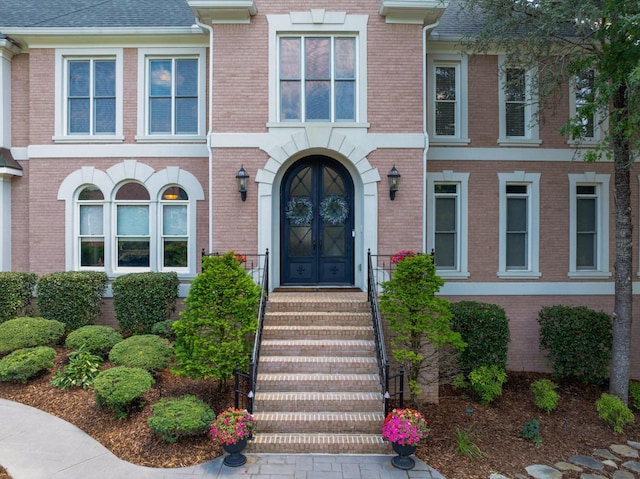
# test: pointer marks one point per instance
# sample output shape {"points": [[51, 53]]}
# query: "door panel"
{"points": [[317, 221]]}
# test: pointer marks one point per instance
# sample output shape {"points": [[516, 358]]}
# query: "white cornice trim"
{"points": [[415, 12], [164, 150], [532, 288], [503, 154]]}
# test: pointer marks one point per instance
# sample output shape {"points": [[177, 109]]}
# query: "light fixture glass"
{"points": [[394, 179], [242, 177]]}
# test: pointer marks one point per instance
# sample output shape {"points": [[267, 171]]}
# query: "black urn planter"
{"points": [[235, 458], [403, 459]]}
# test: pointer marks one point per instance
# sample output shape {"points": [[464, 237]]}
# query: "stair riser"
{"points": [[317, 319], [359, 350], [327, 427], [282, 445], [326, 307], [344, 367], [276, 405], [318, 386], [320, 333]]}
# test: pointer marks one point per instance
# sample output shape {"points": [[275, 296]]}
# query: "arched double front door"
{"points": [[317, 223]]}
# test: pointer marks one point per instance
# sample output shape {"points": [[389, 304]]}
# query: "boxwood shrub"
{"points": [[545, 396], [71, 297], [95, 339], [578, 342], [16, 290], [21, 333], [121, 389], [183, 416], [143, 299], [145, 351], [485, 329], [24, 364]]}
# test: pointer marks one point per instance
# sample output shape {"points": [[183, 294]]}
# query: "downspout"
{"points": [[209, 28], [425, 30]]}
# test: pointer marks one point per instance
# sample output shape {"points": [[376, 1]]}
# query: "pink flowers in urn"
{"points": [[404, 426], [232, 425], [400, 255]]}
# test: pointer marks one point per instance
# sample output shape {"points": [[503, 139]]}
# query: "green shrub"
{"points": [[486, 383], [545, 395], [21, 333], [24, 364], [485, 329], [71, 297], [145, 351], [214, 334], [613, 411], [164, 329], [531, 432], [466, 446], [578, 341], [16, 290], [96, 339], [143, 299], [82, 369], [184, 416], [121, 389], [634, 395]]}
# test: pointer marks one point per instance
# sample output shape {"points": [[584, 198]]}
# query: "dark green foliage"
{"points": [[545, 395], [164, 329], [71, 297], [578, 342], [485, 329], [613, 411], [145, 351], [144, 299], [121, 388], [486, 383], [82, 369], [634, 395], [21, 333], [216, 330], [418, 318], [16, 290], [531, 432], [96, 339], [178, 417], [23, 364]]}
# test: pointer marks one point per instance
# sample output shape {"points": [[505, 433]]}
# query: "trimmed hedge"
{"points": [[578, 342], [144, 299], [179, 417], [16, 290], [21, 333], [121, 388], [95, 339], [71, 297], [24, 364], [145, 351], [485, 329]]}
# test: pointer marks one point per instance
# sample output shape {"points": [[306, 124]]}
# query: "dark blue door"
{"points": [[317, 223]]}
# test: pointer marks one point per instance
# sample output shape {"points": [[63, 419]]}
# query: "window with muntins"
{"points": [[91, 96], [517, 227], [515, 102], [175, 233], [91, 228], [446, 225], [317, 78], [518, 101], [586, 227], [133, 241], [446, 98]]}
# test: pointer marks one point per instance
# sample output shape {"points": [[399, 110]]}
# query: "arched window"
{"points": [[91, 228], [174, 215], [133, 242]]}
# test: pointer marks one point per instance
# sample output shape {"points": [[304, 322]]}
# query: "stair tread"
{"points": [[319, 415], [318, 376], [330, 342], [290, 327], [315, 437], [316, 395], [319, 359]]}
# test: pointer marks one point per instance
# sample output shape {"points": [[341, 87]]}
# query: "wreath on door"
{"points": [[334, 210], [299, 211]]}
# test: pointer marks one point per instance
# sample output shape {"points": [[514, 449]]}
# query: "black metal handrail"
{"points": [[392, 385]]}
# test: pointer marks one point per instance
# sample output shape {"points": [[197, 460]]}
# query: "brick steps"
{"points": [[318, 388]]}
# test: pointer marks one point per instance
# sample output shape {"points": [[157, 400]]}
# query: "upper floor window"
{"points": [[588, 122], [317, 68], [171, 94], [447, 224], [88, 99], [447, 99], [317, 78], [519, 229], [589, 225], [518, 125]]}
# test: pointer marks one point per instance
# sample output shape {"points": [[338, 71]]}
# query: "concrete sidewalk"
{"points": [[37, 445]]}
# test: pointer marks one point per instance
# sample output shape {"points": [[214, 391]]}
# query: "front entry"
{"points": [[317, 223]]}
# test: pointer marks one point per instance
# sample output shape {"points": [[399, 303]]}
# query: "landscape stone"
{"points": [[606, 454], [565, 466], [634, 444], [497, 476], [632, 466], [586, 461], [624, 450], [541, 471], [520, 476], [622, 475], [591, 476], [610, 463]]}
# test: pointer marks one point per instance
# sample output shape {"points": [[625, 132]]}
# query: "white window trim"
{"points": [[531, 128], [462, 96], [601, 181], [600, 122], [462, 180], [60, 84], [108, 182], [533, 224], [318, 21], [144, 54]]}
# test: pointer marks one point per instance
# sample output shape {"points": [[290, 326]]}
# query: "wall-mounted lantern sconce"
{"points": [[242, 178], [394, 180]]}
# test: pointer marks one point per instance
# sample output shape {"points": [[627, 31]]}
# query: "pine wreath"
{"points": [[299, 211], [334, 210]]}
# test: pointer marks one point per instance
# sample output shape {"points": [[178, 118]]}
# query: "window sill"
{"points": [[170, 139], [316, 124], [519, 274], [441, 141], [453, 274], [89, 139], [583, 144], [589, 274], [518, 142]]}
